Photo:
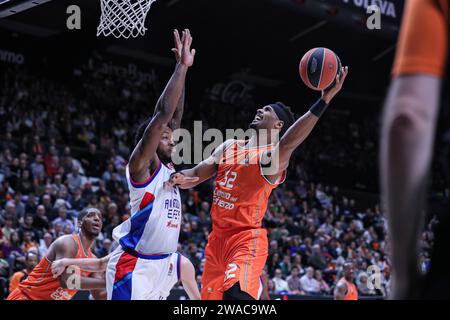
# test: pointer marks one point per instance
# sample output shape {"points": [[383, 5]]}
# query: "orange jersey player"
{"points": [[246, 172], [409, 125], [42, 285], [345, 288]]}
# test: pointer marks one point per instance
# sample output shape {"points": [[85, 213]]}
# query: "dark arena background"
{"points": [[70, 103]]}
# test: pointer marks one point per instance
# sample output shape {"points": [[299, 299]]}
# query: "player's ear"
{"points": [[279, 124]]}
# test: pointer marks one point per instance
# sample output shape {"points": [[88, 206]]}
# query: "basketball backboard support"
{"points": [[10, 7]]}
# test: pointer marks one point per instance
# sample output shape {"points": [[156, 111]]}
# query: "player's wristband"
{"points": [[318, 108]]}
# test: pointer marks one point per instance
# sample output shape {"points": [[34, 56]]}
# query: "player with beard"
{"points": [[345, 288], [41, 285], [246, 172], [141, 268]]}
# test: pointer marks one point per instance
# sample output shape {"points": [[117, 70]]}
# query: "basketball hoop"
{"points": [[123, 18]]}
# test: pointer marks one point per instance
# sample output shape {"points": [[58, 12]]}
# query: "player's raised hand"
{"points": [[179, 179], [187, 54], [331, 92], [178, 45], [58, 267]]}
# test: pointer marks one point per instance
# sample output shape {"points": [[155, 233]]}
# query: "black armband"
{"points": [[318, 108]]}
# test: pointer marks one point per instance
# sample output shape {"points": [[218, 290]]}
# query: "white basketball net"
{"points": [[123, 18]]}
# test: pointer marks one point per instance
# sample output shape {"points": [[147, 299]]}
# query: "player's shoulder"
{"points": [[67, 239], [342, 283], [218, 152], [66, 243]]}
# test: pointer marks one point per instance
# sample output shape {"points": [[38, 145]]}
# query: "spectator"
{"points": [[27, 226], [12, 246], [293, 281], [198, 279], [45, 244], [281, 286], [285, 266], [62, 219], [28, 244], [317, 260], [324, 288], [8, 229], [31, 260], [40, 221], [107, 175], [104, 250], [74, 179], [37, 167], [115, 221], [308, 283]]}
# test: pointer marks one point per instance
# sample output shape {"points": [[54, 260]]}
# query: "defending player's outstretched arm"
{"points": [[66, 248], [203, 171], [178, 115], [301, 129], [89, 264], [144, 154]]}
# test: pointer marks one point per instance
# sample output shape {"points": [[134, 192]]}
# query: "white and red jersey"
{"points": [[154, 225]]}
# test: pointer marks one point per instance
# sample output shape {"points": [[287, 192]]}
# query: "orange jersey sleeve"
{"points": [[422, 45]]}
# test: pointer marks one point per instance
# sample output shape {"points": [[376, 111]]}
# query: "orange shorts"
{"points": [[17, 294], [232, 258]]}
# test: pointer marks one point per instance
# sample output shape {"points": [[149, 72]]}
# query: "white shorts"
{"points": [[138, 277]]}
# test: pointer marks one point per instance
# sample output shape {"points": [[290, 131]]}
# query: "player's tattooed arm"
{"points": [[175, 123], [144, 154], [188, 279], [301, 129]]}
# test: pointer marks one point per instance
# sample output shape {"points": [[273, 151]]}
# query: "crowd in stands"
{"points": [[63, 148]]}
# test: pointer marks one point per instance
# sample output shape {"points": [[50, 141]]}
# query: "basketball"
{"points": [[319, 68]]}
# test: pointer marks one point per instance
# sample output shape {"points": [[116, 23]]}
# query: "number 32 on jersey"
{"points": [[228, 180]]}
